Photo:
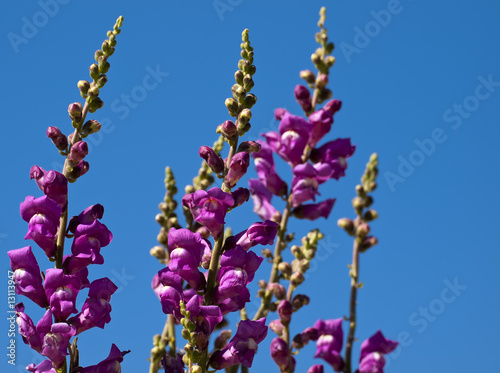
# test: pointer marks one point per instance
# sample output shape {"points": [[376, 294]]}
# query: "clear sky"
{"points": [[420, 85]]}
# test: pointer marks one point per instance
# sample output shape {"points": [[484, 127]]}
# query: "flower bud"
{"points": [[78, 151], [90, 126], [308, 76], [83, 86], [159, 253], [285, 268], [238, 91], [232, 106], [203, 231], [285, 311], [221, 341], [266, 253], [94, 71], [300, 300], [227, 129], [333, 106], [297, 278], [93, 92], [262, 284], [280, 353], [329, 61], [240, 195], [58, 138], [103, 65], [249, 147], [249, 101], [103, 79], [297, 252], [75, 111], [238, 77], [95, 104], [347, 225], [276, 326], [322, 81], [362, 230], [80, 169], [370, 215], [213, 160], [244, 117], [248, 83], [367, 243], [303, 97], [98, 53], [237, 168], [278, 290]]}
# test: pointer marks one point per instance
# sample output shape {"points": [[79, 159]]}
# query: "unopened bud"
{"points": [[370, 215], [94, 71], [322, 81], [103, 79], [238, 77], [240, 195], [333, 106], [90, 126], [95, 104], [285, 268], [244, 117], [329, 61], [285, 311], [300, 300], [78, 151], [83, 86], [221, 341], [232, 106], [75, 111], [297, 278], [347, 225], [213, 160], [278, 290], [367, 243], [249, 101], [266, 253], [262, 284], [159, 253], [227, 129], [93, 92], [58, 138], [362, 230], [249, 147], [308, 76], [276, 326]]}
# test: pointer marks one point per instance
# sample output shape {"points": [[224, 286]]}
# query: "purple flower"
{"points": [[96, 309], [171, 292], [240, 196], [209, 208], [237, 168], [334, 154], [61, 291], [86, 217], [27, 275], [329, 343], [260, 233], [305, 184], [371, 359], [87, 244], [321, 122], [78, 151], [53, 184], [43, 215], [109, 365], [44, 367], [314, 211], [281, 355], [242, 347], [237, 269], [266, 170], [186, 252], [27, 328], [262, 201], [205, 317], [213, 160], [303, 97], [292, 138], [315, 369]]}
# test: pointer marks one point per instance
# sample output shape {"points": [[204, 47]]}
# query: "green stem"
{"points": [[352, 306], [274, 277], [213, 268]]}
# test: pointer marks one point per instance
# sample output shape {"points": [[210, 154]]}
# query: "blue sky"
{"points": [[420, 84]]}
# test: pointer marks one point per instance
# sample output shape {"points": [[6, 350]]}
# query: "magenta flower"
{"points": [[371, 359], [237, 269], [186, 253], [334, 154], [262, 201], [49, 339], [314, 211], [266, 170], [305, 184], [316, 369], [44, 367], [96, 309], [43, 215], [209, 208], [330, 342], [292, 138], [109, 365], [78, 151], [172, 365], [281, 355], [205, 317], [27, 275], [260, 233], [86, 217], [237, 168], [240, 196], [303, 97], [53, 184], [86, 247], [242, 347], [321, 122], [171, 291], [61, 291]]}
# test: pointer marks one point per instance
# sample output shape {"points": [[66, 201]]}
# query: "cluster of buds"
{"points": [[98, 70], [167, 218], [242, 101], [323, 61], [303, 255], [359, 227]]}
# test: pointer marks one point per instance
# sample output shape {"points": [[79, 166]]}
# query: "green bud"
{"points": [[232, 106], [159, 253], [329, 61], [94, 71], [329, 48], [93, 92], [285, 268], [185, 334], [296, 279], [244, 117], [83, 86], [238, 77], [250, 100], [347, 225], [362, 230], [98, 53], [103, 79], [248, 82], [252, 70], [162, 237], [266, 253], [244, 54], [297, 252], [370, 215], [95, 104], [103, 65], [308, 76], [238, 91], [90, 126], [315, 58]]}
